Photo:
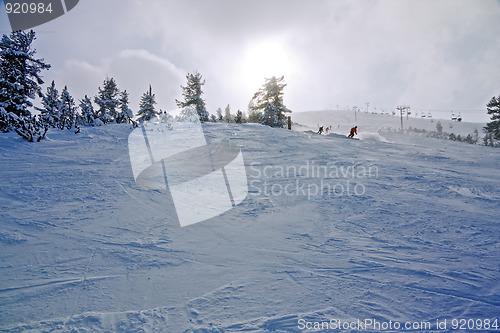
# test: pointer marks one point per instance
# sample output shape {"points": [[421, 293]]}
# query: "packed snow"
{"points": [[390, 227]]}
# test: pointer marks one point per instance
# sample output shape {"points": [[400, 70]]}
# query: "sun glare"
{"points": [[262, 60]]}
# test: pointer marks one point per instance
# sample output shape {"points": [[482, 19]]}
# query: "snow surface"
{"points": [[84, 249]]}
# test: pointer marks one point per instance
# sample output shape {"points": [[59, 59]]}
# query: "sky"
{"points": [[433, 55]]}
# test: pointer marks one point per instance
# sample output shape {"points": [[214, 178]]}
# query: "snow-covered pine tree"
{"points": [[228, 117], [8, 121], [254, 116], [125, 115], [107, 100], [31, 128], [239, 117], [253, 113], [492, 128], [192, 95], [50, 102], [269, 101], [67, 111], [219, 114], [20, 77], [147, 109], [88, 115]]}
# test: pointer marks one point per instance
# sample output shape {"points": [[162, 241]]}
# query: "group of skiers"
{"points": [[352, 133], [320, 131]]}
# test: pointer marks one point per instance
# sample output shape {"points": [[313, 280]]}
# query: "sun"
{"points": [[264, 59]]}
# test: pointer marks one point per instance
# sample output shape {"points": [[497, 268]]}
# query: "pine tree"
{"points": [[8, 121], [31, 128], [269, 101], [88, 115], [219, 114], [50, 102], [475, 137], [253, 113], [239, 117], [67, 111], [107, 100], [192, 95], [20, 77], [228, 117], [125, 115], [147, 110], [492, 128]]}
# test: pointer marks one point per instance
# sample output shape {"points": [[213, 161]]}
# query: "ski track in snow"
{"points": [[86, 250]]}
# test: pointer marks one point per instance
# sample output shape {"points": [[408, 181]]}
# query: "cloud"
{"points": [[79, 76], [133, 70], [390, 52], [137, 69], [424, 53]]}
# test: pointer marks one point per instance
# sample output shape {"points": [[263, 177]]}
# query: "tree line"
{"points": [[21, 80]]}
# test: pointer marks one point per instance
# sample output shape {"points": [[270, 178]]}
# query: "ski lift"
{"points": [[459, 118], [429, 115], [453, 117], [423, 115]]}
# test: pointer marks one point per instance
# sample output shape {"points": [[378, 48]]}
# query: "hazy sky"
{"points": [[429, 54]]}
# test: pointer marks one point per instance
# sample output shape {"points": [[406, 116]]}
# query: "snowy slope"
{"points": [[411, 235], [368, 123]]}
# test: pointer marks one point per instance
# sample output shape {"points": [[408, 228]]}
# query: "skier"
{"points": [[320, 130], [326, 130], [354, 131]]}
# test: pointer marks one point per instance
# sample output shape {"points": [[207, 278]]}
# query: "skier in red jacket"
{"points": [[354, 131]]}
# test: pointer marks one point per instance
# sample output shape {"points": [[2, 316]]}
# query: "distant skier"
{"points": [[320, 131], [326, 130], [354, 131]]}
